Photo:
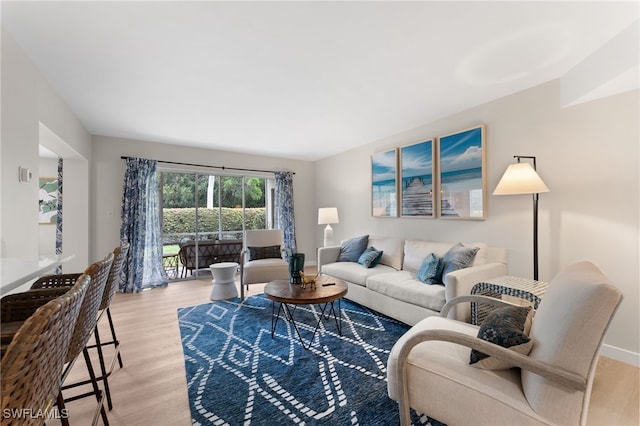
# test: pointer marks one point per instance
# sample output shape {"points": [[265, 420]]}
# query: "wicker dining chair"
{"points": [[32, 364], [86, 323], [111, 286], [87, 319], [113, 282], [16, 308]]}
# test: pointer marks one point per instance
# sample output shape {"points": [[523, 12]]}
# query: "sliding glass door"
{"points": [[204, 218]]}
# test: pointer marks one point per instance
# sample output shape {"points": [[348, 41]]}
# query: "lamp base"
{"points": [[328, 236]]}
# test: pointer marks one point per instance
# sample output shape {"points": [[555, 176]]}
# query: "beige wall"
{"points": [[30, 108], [19, 231], [587, 154]]}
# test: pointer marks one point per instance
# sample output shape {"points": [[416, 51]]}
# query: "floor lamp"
{"points": [[327, 216], [522, 178]]}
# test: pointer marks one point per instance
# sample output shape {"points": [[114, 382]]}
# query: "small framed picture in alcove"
{"points": [[48, 200]]}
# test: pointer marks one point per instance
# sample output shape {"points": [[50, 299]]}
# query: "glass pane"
{"points": [[231, 203], [178, 218], [208, 208], [198, 209], [255, 197]]}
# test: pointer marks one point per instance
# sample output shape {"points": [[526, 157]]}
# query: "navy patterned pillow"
{"points": [[505, 327], [266, 252], [370, 257], [351, 249], [430, 269]]}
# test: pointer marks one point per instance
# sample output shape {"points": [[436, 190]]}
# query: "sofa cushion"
{"points": [[505, 327], [392, 250], [351, 249], [415, 251], [458, 257], [430, 269], [370, 257], [353, 272], [404, 286]]}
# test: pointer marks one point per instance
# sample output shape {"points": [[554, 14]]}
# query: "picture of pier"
{"points": [[417, 179]]}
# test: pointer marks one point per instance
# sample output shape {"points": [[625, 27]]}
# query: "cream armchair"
{"points": [[260, 260], [428, 368]]}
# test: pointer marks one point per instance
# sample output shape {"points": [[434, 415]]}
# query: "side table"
{"points": [[224, 280], [529, 291]]}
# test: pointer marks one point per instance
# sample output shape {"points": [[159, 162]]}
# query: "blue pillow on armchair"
{"points": [[350, 250]]}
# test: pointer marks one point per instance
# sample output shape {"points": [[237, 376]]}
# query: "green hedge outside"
{"points": [[184, 220]]}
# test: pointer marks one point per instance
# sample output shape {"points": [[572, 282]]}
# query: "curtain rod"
{"points": [[212, 167]]}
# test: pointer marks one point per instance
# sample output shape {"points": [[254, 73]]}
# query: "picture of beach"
{"points": [[462, 174], [416, 165], [384, 184]]}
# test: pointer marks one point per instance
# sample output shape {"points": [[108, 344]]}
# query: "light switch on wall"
{"points": [[24, 175]]}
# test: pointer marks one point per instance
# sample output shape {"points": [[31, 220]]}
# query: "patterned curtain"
{"points": [[59, 222], [141, 227], [284, 210]]}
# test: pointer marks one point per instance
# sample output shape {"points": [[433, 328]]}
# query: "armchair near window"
{"points": [[428, 368], [261, 260]]}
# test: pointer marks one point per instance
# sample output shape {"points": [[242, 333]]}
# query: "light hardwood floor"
{"points": [[151, 389]]}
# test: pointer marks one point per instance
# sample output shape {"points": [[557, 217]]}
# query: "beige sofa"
{"points": [[391, 287]]}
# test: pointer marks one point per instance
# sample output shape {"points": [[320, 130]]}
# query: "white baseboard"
{"points": [[621, 355]]}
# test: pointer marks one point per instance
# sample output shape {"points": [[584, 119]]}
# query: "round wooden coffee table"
{"points": [[326, 292]]}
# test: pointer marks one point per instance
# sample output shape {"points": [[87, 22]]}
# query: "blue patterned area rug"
{"points": [[238, 374]]}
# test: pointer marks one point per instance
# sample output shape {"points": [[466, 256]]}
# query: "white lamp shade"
{"points": [[327, 215], [520, 178]]}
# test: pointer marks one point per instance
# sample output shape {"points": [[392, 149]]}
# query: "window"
{"points": [[199, 207]]}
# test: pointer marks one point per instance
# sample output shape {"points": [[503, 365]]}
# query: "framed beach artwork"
{"points": [[384, 184], [462, 174], [417, 181], [48, 200]]}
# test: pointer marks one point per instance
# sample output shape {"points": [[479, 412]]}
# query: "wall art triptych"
{"points": [[442, 177]]}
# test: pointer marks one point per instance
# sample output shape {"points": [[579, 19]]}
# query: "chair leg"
{"points": [[103, 369], [116, 342], [96, 389], [62, 409]]}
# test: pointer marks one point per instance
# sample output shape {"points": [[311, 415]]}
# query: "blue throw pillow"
{"points": [[457, 257], [351, 249], [431, 269], [370, 257]]}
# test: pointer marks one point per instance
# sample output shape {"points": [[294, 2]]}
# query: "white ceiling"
{"points": [[301, 80]]}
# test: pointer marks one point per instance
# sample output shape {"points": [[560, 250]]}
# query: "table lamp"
{"points": [[327, 216]]}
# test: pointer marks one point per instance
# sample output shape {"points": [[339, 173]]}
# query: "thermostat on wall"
{"points": [[24, 175]]}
